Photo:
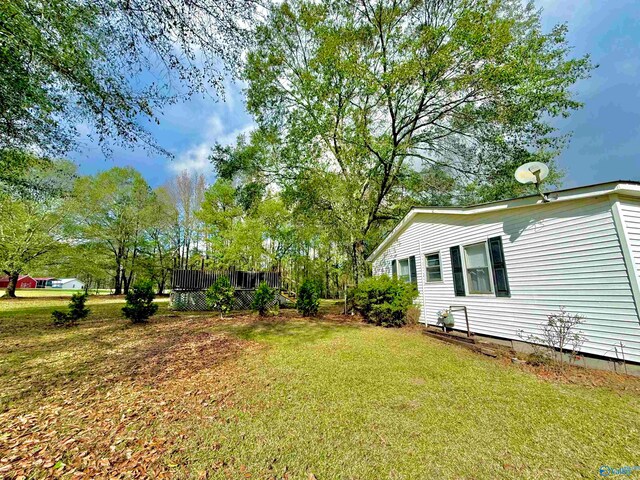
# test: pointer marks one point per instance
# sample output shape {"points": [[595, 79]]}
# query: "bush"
{"points": [[221, 296], [139, 306], [77, 311], [384, 301], [264, 296], [560, 333], [413, 315], [308, 300]]}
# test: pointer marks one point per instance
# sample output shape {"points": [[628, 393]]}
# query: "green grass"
{"points": [[51, 292], [289, 397]]}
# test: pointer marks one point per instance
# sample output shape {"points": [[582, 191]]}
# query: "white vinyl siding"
{"points": [[564, 253], [630, 209]]}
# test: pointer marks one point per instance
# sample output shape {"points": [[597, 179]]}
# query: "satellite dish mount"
{"points": [[533, 172]]}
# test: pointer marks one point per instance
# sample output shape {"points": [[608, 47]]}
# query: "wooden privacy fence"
{"points": [[196, 280]]}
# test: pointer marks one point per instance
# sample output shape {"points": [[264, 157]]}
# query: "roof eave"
{"points": [[622, 188]]}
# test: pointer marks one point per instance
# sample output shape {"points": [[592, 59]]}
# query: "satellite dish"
{"points": [[533, 173]]}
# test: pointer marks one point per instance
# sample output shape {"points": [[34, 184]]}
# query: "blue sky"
{"points": [[606, 133]]}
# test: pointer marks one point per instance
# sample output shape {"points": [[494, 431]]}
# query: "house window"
{"points": [[434, 271], [405, 272], [477, 266]]}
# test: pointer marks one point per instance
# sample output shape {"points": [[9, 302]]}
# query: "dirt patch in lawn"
{"points": [[586, 377], [126, 418]]}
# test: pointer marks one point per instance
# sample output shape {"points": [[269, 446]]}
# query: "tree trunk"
{"points": [[11, 288], [327, 293], [126, 280], [117, 290], [358, 259]]}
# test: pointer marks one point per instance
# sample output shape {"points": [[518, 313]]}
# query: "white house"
{"points": [[512, 263], [68, 284]]}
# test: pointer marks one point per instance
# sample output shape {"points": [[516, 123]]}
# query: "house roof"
{"points": [[65, 280], [623, 187], [44, 278]]}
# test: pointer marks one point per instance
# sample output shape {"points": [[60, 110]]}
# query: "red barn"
{"points": [[24, 281]]}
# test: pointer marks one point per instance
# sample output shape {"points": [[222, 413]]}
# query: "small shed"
{"points": [[68, 284], [24, 281]]}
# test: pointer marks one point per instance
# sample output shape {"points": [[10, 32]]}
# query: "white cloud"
{"points": [[196, 157]]}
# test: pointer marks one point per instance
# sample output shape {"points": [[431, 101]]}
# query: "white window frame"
{"points": [[399, 269], [492, 293], [426, 267]]}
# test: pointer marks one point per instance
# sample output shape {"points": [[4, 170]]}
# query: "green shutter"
{"points": [[413, 270], [394, 269], [458, 274], [499, 267]]}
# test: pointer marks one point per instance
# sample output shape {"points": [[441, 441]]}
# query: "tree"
{"points": [[363, 92], [308, 301], [264, 296], [67, 62], [77, 311], [139, 304], [187, 192], [221, 296], [115, 211], [29, 230]]}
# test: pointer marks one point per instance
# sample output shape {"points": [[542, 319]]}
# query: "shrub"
{"points": [[560, 333], [264, 296], [384, 301], [139, 305], [221, 296], [413, 315], [77, 311], [308, 300]]}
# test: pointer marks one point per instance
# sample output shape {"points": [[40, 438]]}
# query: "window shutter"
{"points": [[394, 269], [412, 268], [458, 275], [499, 267]]}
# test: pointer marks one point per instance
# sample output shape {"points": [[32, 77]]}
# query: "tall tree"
{"points": [[367, 92], [187, 191], [114, 214]]}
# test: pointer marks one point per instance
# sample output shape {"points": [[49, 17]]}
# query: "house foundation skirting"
{"points": [[184, 300]]}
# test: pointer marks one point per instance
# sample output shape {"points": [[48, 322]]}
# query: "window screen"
{"points": [[434, 271], [477, 265]]}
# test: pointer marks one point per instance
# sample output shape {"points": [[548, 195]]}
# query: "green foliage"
{"points": [[308, 300], [139, 304], [368, 100], [66, 62], [384, 301], [77, 311], [263, 298], [30, 232], [220, 295], [116, 211]]}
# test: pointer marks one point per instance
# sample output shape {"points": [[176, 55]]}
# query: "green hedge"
{"points": [[384, 301]]}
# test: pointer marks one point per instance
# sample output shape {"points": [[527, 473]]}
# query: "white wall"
{"points": [[73, 285], [630, 208], [565, 253]]}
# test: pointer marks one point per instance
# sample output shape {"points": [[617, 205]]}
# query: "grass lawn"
{"points": [[51, 292], [191, 395]]}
